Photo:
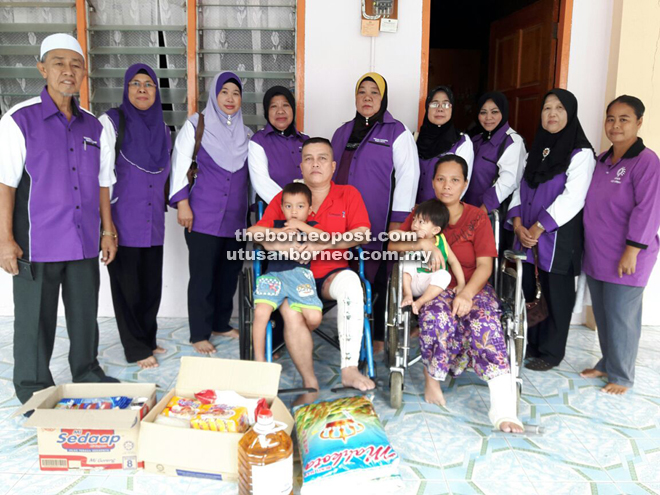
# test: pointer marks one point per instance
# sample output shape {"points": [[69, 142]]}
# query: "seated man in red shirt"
{"points": [[336, 209]]}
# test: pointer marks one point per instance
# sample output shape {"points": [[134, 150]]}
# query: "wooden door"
{"points": [[523, 48]]}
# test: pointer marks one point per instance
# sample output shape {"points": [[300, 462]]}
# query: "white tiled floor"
{"points": [[593, 443]]}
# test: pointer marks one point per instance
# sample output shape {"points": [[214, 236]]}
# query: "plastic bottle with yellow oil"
{"points": [[265, 458]]}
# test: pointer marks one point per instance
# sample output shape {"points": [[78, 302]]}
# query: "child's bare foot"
{"points": [[433, 391], [231, 334], [377, 346], [614, 389], [510, 427], [149, 362], [592, 373], [159, 350], [204, 347], [414, 332]]}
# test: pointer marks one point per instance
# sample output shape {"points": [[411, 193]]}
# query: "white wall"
{"points": [[589, 62], [587, 70], [336, 55]]}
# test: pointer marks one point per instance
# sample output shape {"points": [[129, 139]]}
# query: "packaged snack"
{"points": [[217, 417], [180, 407], [95, 403], [229, 397], [342, 443]]}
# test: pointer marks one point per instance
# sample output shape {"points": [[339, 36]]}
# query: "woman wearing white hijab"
{"points": [[213, 208]]}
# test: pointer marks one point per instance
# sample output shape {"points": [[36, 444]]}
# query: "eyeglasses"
{"points": [[138, 85], [436, 104]]}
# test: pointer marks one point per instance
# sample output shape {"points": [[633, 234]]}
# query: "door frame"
{"points": [[561, 63]]}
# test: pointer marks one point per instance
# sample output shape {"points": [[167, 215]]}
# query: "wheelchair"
{"points": [[507, 281], [246, 284]]}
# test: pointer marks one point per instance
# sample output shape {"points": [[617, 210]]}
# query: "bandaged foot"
{"points": [[433, 391], [592, 373], [351, 377], [614, 389], [503, 404]]}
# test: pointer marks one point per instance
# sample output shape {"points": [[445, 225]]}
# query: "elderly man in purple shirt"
{"points": [[55, 177]]}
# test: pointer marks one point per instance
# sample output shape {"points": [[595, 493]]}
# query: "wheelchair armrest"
{"points": [[515, 255]]}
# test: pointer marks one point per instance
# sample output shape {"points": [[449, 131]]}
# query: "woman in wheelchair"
{"points": [[337, 209], [462, 328]]}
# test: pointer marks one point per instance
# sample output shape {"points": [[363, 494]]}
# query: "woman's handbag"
{"points": [[537, 310], [194, 169]]}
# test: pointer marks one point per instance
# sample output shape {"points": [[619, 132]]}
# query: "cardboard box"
{"points": [[87, 439], [207, 454]]}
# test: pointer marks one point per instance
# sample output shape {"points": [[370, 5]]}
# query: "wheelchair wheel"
{"points": [[396, 389], [392, 337], [246, 306]]}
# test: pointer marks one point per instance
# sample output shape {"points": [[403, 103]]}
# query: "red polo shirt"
{"points": [[341, 211]]}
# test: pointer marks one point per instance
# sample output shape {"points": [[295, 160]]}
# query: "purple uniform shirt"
{"points": [[138, 199], [623, 207], [276, 159], [485, 170], [55, 165], [218, 198], [380, 158], [426, 166], [558, 206]]}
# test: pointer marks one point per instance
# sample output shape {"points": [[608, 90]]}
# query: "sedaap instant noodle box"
{"points": [[178, 451], [87, 438]]}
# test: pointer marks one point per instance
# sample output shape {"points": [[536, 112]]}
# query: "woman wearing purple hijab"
{"points": [[138, 212], [213, 208]]}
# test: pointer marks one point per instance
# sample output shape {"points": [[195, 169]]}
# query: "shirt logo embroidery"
{"points": [[619, 174]]}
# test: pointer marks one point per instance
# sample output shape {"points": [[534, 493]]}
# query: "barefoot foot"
{"points": [[159, 350], [592, 373], [510, 427], [433, 391], [614, 389], [351, 377], [204, 347], [230, 334], [150, 362], [377, 346]]}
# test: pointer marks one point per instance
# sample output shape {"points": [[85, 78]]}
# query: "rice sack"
{"points": [[342, 441]]}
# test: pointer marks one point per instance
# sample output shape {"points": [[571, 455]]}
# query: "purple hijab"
{"points": [[227, 143], [145, 139]]}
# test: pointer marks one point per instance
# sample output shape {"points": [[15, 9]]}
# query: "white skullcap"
{"points": [[60, 41]]}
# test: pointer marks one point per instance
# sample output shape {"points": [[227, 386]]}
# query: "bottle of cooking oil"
{"points": [[265, 458]]}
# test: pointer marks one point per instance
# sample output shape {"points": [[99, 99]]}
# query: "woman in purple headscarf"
{"points": [[213, 208], [138, 211]]}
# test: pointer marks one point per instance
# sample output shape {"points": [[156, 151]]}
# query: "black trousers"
{"points": [[213, 281], [136, 282], [547, 340], [35, 323]]}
